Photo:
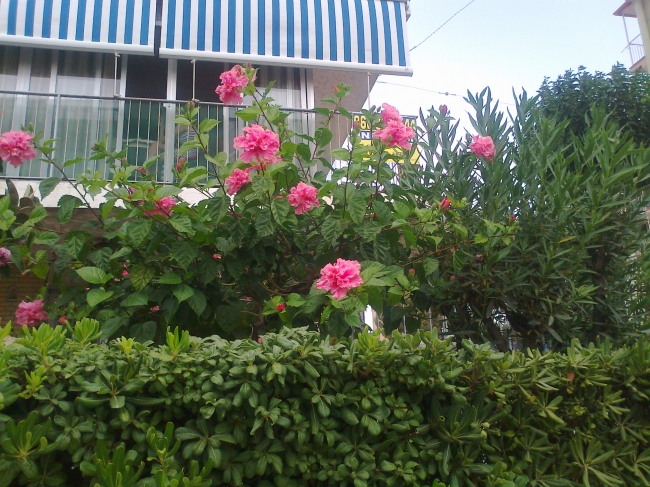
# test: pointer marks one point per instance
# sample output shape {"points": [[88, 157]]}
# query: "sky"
{"points": [[503, 44]]}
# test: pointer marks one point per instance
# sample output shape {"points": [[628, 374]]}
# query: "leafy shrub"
{"points": [[298, 410], [624, 96], [537, 238]]}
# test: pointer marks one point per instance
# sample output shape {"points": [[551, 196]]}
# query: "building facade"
{"points": [[638, 45]]}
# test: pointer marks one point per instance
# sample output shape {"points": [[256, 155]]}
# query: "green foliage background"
{"points": [[298, 410]]}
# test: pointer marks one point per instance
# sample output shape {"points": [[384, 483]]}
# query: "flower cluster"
{"points": [[31, 314], [339, 278], [483, 147], [259, 146], [16, 147], [395, 133], [232, 85], [303, 198]]}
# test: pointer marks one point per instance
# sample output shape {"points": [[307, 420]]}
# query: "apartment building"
{"points": [[638, 45]]}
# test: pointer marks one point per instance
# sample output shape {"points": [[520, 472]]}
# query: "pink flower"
{"points": [[16, 148], [125, 273], [445, 204], [340, 277], [389, 113], [260, 145], [512, 218], [179, 167], [236, 180], [280, 308], [63, 320], [233, 83], [163, 207], [5, 256], [336, 89], [303, 197], [216, 256], [443, 110], [396, 134], [31, 314], [483, 147], [154, 309]]}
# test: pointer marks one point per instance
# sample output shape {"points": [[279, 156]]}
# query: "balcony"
{"points": [[637, 54], [144, 127]]}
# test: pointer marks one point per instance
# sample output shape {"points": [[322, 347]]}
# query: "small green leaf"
{"points": [[93, 275], [136, 299], [183, 292], [47, 186], [430, 266], [170, 278], [96, 296]]}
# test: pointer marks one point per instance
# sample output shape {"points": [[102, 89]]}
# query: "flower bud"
{"points": [[411, 272], [280, 308], [443, 110], [192, 104], [63, 320], [445, 204], [452, 278], [512, 218], [216, 256], [259, 339]]}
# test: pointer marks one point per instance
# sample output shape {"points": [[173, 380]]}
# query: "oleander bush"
{"points": [[296, 409]]}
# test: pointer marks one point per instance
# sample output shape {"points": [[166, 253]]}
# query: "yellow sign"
{"points": [[365, 132]]}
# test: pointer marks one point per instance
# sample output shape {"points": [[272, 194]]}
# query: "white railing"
{"points": [[635, 47], [141, 126]]}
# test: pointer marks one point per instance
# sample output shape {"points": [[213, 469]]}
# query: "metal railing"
{"points": [[144, 127], [635, 47]]}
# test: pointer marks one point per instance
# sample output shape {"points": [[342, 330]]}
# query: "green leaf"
{"points": [[184, 252], [167, 190], [264, 225], [138, 230], [197, 302], [136, 299], [207, 125], [93, 275], [280, 209], [248, 114], [67, 204], [46, 238], [141, 275], [341, 155], [383, 211], [183, 292], [74, 242], [41, 270], [96, 296], [183, 224], [480, 239], [143, 332], [217, 208], [460, 229], [332, 228], [47, 186], [356, 206], [295, 300], [430, 266], [170, 278], [37, 214]]}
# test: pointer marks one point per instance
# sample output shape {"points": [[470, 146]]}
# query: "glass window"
{"points": [[8, 67]]}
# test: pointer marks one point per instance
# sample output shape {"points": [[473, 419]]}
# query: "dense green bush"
{"points": [[624, 96], [298, 410]]}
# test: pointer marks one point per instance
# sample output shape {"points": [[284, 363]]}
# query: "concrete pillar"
{"points": [[642, 10]]}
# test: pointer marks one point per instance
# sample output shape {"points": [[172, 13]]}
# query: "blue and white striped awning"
{"points": [[100, 25], [365, 35]]}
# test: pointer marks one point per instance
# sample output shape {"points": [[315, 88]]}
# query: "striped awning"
{"points": [[363, 35], [100, 25]]}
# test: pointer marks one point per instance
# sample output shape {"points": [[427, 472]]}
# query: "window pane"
{"points": [[8, 67]]}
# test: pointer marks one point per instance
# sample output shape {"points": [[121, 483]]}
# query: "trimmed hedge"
{"points": [[298, 410]]}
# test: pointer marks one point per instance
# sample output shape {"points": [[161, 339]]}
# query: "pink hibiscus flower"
{"points": [[340, 277], [232, 84], [303, 198], [5, 256], [390, 113], [483, 147], [259, 145], [236, 180], [396, 134], [31, 314], [163, 207], [16, 147]]}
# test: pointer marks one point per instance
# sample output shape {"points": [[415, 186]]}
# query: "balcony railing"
{"points": [[635, 47], [144, 127]]}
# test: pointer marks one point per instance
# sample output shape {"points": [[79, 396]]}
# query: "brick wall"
{"points": [[13, 290]]}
